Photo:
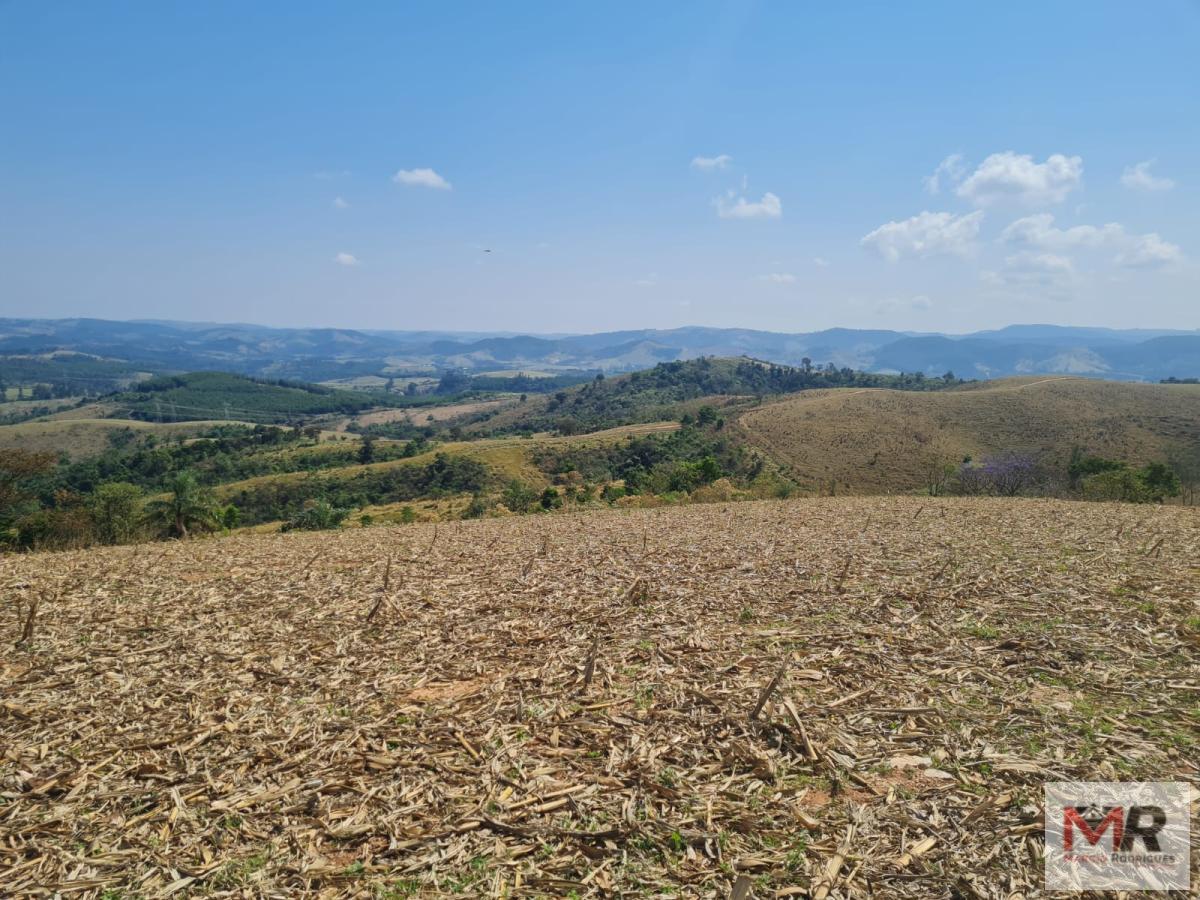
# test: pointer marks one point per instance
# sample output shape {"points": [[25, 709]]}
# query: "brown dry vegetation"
{"points": [[872, 440], [419, 415], [80, 438], [852, 697]]}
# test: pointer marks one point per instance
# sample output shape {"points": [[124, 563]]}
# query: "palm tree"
{"points": [[189, 506]]}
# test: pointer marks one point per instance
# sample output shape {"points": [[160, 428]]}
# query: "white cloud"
{"points": [[1012, 176], [951, 168], [769, 207], [649, 281], [1131, 250], [421, 178], [1148, 251], [1140, 178], [710, 163], [346, 259], [1039, 231], [778, 278], [340, 203], [926, 234], [821, 262], [1050, 263]]}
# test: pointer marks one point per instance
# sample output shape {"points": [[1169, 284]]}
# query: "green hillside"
{"points": [[218, 395]]}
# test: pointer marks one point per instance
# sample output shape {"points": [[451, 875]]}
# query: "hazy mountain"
{"points": [[332, 353]]}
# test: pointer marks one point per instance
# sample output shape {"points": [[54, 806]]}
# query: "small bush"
{"points": [[317, 515]]}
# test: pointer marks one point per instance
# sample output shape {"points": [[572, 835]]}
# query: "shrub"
{"points": [[476, 509], [116, 510], [317, 515], [519, 497], [57, 528], [1120, 485], [1159, 481], [612, 492]]}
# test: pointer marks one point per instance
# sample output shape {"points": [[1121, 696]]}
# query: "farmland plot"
{"points": [[832, 698]]}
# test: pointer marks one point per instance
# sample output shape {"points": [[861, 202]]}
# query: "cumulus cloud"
{"points": [[1039, 231], [926, 234], [1016, 177], [778, 278], [711, 163], [1145, 251], [951, 168], [1131, 250], [340, 203], [729, 207], [346, 259], [421, 178], [1140, 178]]}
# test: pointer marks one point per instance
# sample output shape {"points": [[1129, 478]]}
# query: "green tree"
{"points": [[366, 450], [20, 471], [189, 507], [317, 515], [116, 510], [519, 497], [230, 517], [1159, 481], [1119, 485]]}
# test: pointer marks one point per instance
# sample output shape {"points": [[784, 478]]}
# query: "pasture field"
{"points": [[833, 697], [877, 441], [420, 415], [81, 438]]}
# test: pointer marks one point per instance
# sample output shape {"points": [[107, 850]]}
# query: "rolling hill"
{"points": [[121, 349], [876, 441]]}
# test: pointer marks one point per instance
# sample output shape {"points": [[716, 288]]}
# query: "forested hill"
{"points": [[329, 354], [219, 395], [664, 392]]}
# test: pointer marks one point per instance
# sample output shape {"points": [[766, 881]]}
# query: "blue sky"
{"points": [[762, 165]]}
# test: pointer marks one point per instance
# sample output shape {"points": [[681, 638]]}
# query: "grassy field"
{"points": [[815, 695], [81, 438], [421, 415], [873, 441]]}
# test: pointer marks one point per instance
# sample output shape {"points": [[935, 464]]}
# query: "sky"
{"points": [[569, 167]]}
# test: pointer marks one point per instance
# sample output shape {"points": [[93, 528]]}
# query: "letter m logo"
{"points": [[1093, 830]]}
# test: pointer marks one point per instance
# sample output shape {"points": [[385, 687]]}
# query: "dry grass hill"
{"points": [[875, 441], [81, 438], [841, 697]]}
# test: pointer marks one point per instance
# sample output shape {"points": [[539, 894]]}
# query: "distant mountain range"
{"points": [[320, 354]]}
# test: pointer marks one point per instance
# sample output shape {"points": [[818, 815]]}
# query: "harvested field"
{"points": [[843, 697]]}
